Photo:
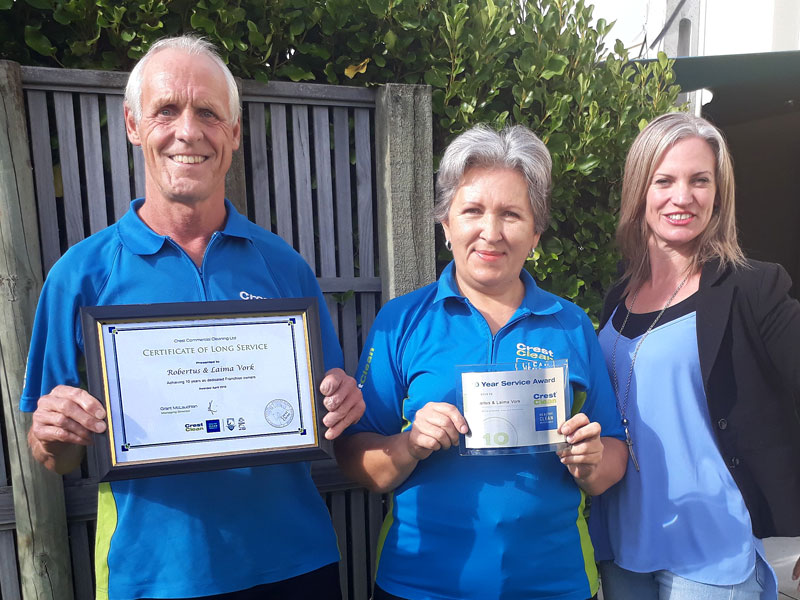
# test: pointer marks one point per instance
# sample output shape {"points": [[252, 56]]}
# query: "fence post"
{"points": [[404, 166], [41, 520]]}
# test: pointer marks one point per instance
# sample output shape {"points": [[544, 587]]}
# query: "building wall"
{"points": [[718, 26]]}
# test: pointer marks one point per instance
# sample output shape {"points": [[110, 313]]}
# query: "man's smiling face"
{"points": [[185, 130]]}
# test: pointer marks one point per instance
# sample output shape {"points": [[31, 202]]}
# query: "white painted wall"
{"points": [[725, 26]]}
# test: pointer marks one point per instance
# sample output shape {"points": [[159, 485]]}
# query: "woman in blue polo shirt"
{"points": [[482, 527]]}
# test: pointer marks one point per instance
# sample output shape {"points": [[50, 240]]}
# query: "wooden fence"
{"points": [[343, 174]]}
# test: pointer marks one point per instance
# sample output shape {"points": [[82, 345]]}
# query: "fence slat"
{"points": [[138, 170], [366, 251], [43, 175], [344, 220], [338, 509], [322, 170], [9, 579], [93, 162], [81, 553], [358, 544], [302, 184], [280, 170], [364, 195], [118, 154], [259, 172], [68, 159], [344, 230], [322, 164]]}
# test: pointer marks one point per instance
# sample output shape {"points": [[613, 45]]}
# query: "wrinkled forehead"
{"points": [[174, 76]]}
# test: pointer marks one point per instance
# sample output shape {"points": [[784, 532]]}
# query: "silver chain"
{"points": [[623, 408]]}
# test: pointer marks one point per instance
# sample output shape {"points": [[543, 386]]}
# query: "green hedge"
{"points": [[540, 63]]}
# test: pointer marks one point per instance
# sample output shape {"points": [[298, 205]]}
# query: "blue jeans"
{"points": [[621, 584]]}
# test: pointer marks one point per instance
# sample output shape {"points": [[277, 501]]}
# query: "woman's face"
{"points": [[491, 227], [680, 197]]}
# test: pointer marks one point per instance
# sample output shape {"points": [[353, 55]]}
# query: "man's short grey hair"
{"points": [[192, 45], [515, 147]]}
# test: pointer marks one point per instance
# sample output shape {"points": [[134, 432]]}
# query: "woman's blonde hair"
{"points": [[718, 240]]}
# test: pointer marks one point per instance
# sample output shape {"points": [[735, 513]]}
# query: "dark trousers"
{"points": [[322, 584], [381, 594]]}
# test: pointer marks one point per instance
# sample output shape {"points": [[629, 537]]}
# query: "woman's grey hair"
{"points": [[515, 147], [192, 45]]}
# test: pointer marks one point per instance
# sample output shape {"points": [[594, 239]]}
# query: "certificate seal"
{"points": [[279, 413]]}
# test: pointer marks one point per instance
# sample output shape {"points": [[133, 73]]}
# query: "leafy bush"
{"points": [[540, 63]]}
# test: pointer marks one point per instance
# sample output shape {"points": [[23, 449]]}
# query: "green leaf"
{"points": [[256, 39], [390, 39], [435, 78], [201, 21], [378, 7], [553, 245], [295, 73], [127, 36], [555, 66], [38, 41]]}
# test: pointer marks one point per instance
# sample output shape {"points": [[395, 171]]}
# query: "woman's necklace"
{"points": [[623, 407]]}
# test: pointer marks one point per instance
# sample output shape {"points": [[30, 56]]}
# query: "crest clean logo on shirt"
{"points": [[531, 357], [248, 296]]}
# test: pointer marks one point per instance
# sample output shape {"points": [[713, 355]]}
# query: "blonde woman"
{"points": [[702, 348]]}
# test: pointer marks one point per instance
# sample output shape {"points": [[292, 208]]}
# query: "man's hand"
{"points": [[436, 426], [796, 573], [63, 423], [343, 400]]}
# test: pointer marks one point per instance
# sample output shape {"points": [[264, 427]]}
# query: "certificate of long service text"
{"points": [[188, 390]]}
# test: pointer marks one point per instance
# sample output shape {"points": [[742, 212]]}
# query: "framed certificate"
{"points": [[200, 386], [513, 411]]}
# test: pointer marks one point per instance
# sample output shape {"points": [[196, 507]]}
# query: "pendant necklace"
{"points": [[623, 405]]}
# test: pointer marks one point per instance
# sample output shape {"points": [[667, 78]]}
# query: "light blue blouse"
{"points": [[682, 511]]}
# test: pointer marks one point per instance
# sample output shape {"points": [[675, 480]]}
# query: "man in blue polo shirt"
{"points": [[245, 533]]}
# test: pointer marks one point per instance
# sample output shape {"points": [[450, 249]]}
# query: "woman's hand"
{"points": [[596, 463], [436, 426], [796, 573], [585, 450]]}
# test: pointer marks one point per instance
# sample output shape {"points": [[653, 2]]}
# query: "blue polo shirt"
{"points": [[202, 533], [478, 527]]}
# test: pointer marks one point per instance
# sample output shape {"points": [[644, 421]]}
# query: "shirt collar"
{"points": [[140, 239], [536, 301]]}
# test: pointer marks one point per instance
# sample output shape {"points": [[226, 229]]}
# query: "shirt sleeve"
{"points": [[778, 320], [379, 376], [56, 343]]}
